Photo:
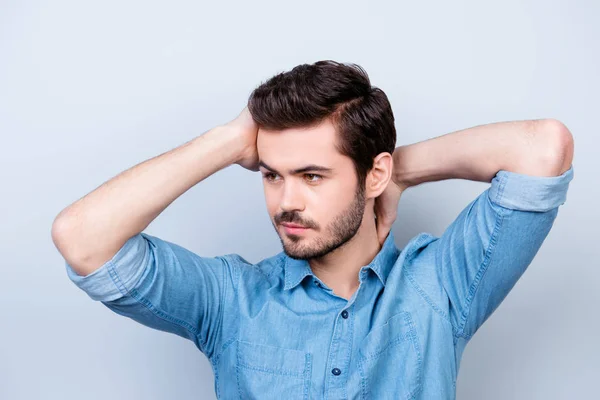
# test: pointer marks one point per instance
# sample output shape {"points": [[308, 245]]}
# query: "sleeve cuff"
{"points": [[530, 193], [116, 277]]}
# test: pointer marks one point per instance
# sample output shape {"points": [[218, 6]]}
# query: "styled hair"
{"points": [[310, 93]]}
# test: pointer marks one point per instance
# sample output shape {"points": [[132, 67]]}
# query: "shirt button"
{"points": [[344, 314], [336, 371]]}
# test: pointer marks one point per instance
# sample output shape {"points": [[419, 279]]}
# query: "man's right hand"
{"points": [[244, 127]]}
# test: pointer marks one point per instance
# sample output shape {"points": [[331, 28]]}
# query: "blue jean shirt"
{"points": [[274, 330]]}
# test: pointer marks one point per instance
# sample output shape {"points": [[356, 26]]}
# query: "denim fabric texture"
{"points": [[274, 330]]}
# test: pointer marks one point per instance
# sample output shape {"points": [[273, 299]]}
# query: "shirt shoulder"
{"points": [[418, 264], [417, 259], [269, 269]]}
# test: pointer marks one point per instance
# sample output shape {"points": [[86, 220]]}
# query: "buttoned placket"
{"points": [[340, 349]]}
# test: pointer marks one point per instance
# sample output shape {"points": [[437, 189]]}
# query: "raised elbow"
{"points": [[62, 234], [59, 233], [559, 146]]}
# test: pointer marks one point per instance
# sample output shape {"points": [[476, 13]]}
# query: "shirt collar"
{"points": [[296, 270]]}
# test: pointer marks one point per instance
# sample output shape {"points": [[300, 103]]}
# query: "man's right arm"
{"points": [[150, 280], [90, 231]]}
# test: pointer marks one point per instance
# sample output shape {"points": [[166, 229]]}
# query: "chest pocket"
{"points": [[270, 372], [390, 361]]}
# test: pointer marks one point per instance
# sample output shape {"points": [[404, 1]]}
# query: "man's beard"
{"points": [[340, 231]]}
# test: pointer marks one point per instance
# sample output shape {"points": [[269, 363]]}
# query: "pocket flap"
{"points": [[272, 359]]}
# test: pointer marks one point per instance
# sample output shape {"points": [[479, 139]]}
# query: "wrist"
{"points": [[226, 141], [241, 145], [400, 175]]}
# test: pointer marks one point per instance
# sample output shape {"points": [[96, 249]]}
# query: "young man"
{"points": [[341, 312]]}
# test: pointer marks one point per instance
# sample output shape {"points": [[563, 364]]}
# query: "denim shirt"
{"points": [[274, 330]]}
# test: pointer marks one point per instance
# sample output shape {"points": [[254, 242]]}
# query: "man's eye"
{"points": [[271, 176], [313, 177]]}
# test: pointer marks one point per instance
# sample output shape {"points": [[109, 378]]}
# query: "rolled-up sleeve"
{"points": [[530, 193], [487, 248], [167, 287], [118, 275]]}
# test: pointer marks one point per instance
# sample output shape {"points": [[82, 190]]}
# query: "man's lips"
{"points": [[289, 225], [294, 228]]}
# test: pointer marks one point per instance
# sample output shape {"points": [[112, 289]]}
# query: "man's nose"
{"points": [[291, 198]]}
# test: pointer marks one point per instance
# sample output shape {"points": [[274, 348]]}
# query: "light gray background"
{"points": [[88, 89]]}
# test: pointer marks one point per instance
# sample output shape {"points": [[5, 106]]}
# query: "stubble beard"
{"points": [[343, 228]]}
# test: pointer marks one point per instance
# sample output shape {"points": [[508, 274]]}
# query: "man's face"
{"points": [[311, 190]]}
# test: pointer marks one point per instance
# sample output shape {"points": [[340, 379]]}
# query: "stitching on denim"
{"points": [[112, 272], [237, 372], [237, 272], [271, 371], [217, 383], [236, 279], [481, 271], [227, 267], [392, 343], [502, 188], [415, 342], [287, 283], [502, 185], [307, 375], [363, 378], [223, 293], [215, 358]]}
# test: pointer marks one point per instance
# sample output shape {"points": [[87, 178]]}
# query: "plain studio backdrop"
{"points": [[89, 89]]}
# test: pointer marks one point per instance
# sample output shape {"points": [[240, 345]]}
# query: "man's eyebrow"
{"points": [[308, 168]]}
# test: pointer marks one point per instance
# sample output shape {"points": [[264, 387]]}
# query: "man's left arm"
{"points": [[487, 248], [535, 147]]}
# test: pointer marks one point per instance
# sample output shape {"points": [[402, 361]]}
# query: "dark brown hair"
{"points": [[309, 93]]}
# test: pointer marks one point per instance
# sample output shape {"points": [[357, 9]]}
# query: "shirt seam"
{"points": [[479, 276], [430, 302], [484, 263], [422, 293], [236, 277], [221, 304]]}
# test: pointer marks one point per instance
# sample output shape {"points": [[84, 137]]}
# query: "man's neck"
{"points": [[339, 269]]}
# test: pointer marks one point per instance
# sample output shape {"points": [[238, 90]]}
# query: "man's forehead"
{"points": [[297, 148]]}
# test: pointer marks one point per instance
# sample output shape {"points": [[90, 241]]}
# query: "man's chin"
{"points": [[303, 252], [297, 252]]}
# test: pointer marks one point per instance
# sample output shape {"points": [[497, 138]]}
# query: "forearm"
{"points": [[92, 229], [536, 147]]}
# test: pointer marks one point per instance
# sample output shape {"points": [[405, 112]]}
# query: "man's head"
{"points": [[325, 141]]}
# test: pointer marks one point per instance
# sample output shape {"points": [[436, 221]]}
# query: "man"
{"points": [[341, 312]]}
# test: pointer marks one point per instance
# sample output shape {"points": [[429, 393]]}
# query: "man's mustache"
{"points": [[293, 218]]}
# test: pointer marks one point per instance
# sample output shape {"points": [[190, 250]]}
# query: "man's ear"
{"points": [[379, 176]]}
